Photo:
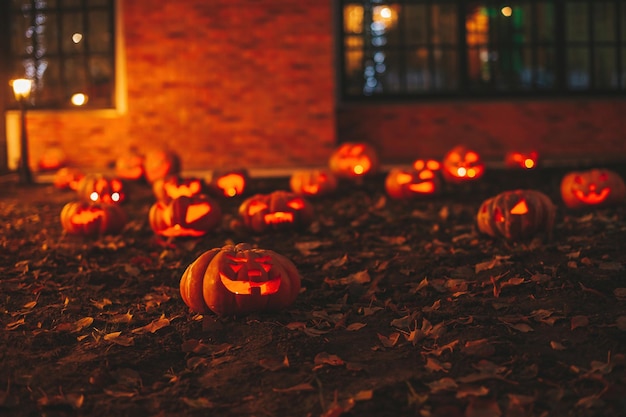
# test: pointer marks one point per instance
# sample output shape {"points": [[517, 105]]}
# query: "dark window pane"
{"points": [[605, 68], [576, 22], [603, 21], [578, 68], [99, 37]]}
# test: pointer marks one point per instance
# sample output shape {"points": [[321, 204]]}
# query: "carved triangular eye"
{"points": [[255, 207], [403, 178], [265, 262], [433, 165], [196, 211], [471, 157], [296, 204], [236, 267], [520, 208]]}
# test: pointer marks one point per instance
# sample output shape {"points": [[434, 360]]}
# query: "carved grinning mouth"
{"points": [[251, 287], [592, 197], [278, 217]]}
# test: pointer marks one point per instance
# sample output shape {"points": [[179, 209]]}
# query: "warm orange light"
{"points": [[423, 188], [231, 184], [79, 99], [506, 11], [358, 169], [529, 163], [196, 211], [22, 88], [461, 171], [520, 208]]}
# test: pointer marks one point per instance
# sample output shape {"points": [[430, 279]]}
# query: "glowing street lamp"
{"points": [[21, 89]]}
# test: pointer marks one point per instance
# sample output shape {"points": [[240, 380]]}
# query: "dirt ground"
{"points": [[405, 310]]}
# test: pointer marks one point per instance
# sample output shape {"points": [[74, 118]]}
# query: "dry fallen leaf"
{"points": [[153, 326], [579, 321]]}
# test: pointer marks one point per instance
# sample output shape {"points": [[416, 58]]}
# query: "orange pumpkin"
{"points": [[462, 164], [516, 215], [185, 216], [130, 166], [239, 280], [354, 160], [313, 182], [228, 183], [160, 163], [67, 178], [174, 186], [101, 189], [278, 210], [92, 219], [592, 188], [421, 180]]}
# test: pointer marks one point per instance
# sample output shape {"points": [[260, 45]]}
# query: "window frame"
{"points": [[116, 101], [560, 89]]}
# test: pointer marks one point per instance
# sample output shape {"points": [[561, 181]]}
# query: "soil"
{"points": [[405, 310]]}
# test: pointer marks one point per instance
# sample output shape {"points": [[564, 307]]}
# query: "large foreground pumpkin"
{"points": [[238, 280], [516, 215]]}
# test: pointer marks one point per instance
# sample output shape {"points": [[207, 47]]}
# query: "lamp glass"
{"points": [[22, 88]]}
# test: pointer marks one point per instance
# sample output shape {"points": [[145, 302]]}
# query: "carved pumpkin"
{"points": [[516, 215], [275, 211], [462, 164], [353, 160], [524, 160], [228, 183], [185, 216], [53, 158], [67, 178], [101, 189], [239, 280], [313, 182], [422, 180], [594, 187], [130, 166], [91, 219], [160, 163], [174, 186]]}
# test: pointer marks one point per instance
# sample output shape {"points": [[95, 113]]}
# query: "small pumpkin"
{"points": [[92, 219], [421, 180], [185, 216], [313, 182], [462, 164], [130, 166], [592, 188], [239, 280], [101, 189], [67, 178], [159, 163], [524, 160], [516, 215], [354, 160], [277, 210], [229, 183], [174, 186]]}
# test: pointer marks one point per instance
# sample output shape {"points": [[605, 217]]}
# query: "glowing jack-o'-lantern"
{"points": [[91, 219], [174, 186], [239, 280], [160, 163], [101, 189], [524, 160], [594, 187], [516, 215], [461, 164], [422, 179], [67, 178], [229, 183], [53, 158], [185, 216], [354, 160], [275, 211], [313, 182], [130, 166]]}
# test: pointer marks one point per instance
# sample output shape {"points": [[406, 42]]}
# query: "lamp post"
{"points": [[21, 90]]}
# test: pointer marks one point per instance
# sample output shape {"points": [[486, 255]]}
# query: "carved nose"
{"points": [[254, 273], [592, 187]]}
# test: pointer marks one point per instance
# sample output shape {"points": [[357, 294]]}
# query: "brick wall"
{"points": [[225, 82], [557, 129]]}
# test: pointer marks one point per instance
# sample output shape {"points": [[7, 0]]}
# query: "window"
{"points": [[434, 48], [67, 48]]}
